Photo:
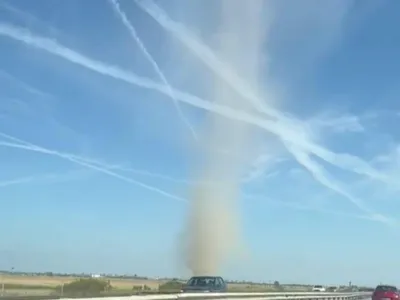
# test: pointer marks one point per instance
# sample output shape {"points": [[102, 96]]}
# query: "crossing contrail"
{"points": [[287, 132], [24, 145], [151, 60]]}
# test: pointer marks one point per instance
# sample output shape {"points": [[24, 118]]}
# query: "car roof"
{"points": [[206, 276], [385, 286]]}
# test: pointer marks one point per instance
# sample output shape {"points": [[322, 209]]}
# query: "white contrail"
{"points": [[223, 70], [24, 85], [105, 169], [46, 178], [34, 148], [361, 167], [300, 207], [261, 165], [16, 181], [114, 167], [27, 17], [81, 161], [318, 173], [207, 56], [287, 133], [165, 177], [146, 53]]}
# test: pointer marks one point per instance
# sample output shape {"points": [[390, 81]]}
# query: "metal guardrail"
{"points": [[245, 296]]}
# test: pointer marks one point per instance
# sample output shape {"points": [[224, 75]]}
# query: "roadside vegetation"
{"points": [[103, 287]]}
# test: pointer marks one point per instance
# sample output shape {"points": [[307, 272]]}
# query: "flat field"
{"points": [[50, 282], [45, 285]]}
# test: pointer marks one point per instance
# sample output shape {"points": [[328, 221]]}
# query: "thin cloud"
{"points": [[94, 164], [260, 168], [122, 16], [300, 207], [285, 130], [40, 104], [336, 124], [83, 162], [17, 181], [207, 56], [24, 145], [164, 177], [103, 165], [319, 174], [30, 89], [245, 179], [223, 70], [288, 128], [288, 132], [47, 178], [27, 17]]}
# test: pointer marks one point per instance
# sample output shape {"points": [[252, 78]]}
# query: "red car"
{"points": [[385, 292]]}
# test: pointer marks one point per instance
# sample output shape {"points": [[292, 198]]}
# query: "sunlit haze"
{"points": [[254, 140]]}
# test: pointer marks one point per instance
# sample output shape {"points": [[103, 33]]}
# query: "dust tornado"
{"points": [[213, 228]]}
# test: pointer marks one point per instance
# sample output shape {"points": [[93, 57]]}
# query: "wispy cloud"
{"points": [[300, 153], [336, 124], [30, 89], [50, 178], [17, 181], [105, 169], [27, 17], [162, 176], [33, 103], [92, 164], [154, 64], [291, 133], [207, 56], [301, 207], [320, 175], [24, 145], [321, 26], [261, 167], [289, 130]]}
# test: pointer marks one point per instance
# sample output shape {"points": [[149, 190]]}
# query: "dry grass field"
{"points": [[35, 285], [53, 281]]}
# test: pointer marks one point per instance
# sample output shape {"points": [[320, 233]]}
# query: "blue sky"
{"points": [[97, 165]]}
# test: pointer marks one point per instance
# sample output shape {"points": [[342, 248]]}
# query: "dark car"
{"points": [[385, 292], [203, 284]]}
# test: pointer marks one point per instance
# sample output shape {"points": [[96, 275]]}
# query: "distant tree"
{"points": [[85, 287], [277, 285], [170, 286], [140, 288]]}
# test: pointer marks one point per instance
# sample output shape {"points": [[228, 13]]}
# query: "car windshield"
{"points": [[318, 286], [202, 281], [386, 288]]}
